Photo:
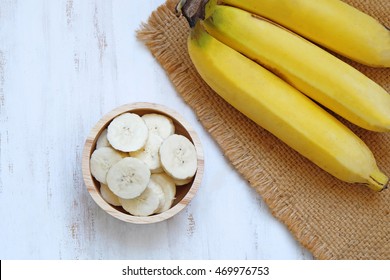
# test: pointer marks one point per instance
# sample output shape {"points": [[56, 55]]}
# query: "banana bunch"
{"points": [[272, 75], [330, 23]]}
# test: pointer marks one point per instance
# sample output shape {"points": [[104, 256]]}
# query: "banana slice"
{"points": [[178, 157], [109, 196], [149, 153], [159, 124], [157, 189], [127, 132], [144, 205], [102, 140], [168, 187], [182, 182], [101, 161], [128, 178]]}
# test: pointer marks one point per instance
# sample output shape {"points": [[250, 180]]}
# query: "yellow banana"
{"points": [[331, 23], [309, 68], [284, 111]]}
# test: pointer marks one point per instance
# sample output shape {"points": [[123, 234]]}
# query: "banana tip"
{"points": [[386, 185]]}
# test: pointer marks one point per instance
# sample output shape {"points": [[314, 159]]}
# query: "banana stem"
{"points": [[195, 10], [179, 7]]}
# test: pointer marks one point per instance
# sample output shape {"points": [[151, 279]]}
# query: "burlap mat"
{"points": [[332, 219]]}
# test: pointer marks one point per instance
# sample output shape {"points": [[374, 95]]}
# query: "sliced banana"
{"points": [[168, 187], [102, 140], [109, 196], [159, 124], [149, 153], [127, 132], [101, 161], [157, 189], [144, 205], [128, 178], [182, 182], [178, 157]]}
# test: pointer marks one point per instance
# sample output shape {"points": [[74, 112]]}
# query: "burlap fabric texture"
{"points": [[332, 219]]}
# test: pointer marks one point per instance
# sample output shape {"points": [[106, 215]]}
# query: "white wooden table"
{"points": [[64, 64]]}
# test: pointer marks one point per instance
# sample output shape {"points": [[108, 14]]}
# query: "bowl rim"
{"points": [[90, 143]]}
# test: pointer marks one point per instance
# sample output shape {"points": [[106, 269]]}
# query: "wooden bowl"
{"points": [[184, 194]]}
